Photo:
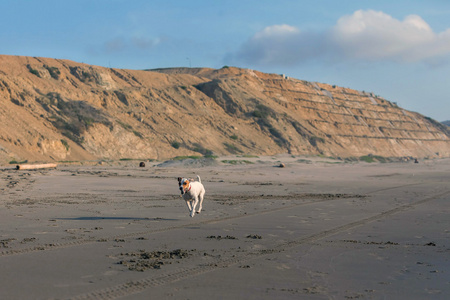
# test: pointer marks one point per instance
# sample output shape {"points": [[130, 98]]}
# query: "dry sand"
{"points": [[316, 229]]}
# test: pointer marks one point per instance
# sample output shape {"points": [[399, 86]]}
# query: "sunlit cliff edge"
{"points": [[60, 110]]}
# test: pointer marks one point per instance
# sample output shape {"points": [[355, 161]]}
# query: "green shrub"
{"points": [[232, 148], [250, 156], [124, 125], [15, 162], [53, 71], [176, 145], [71, 117], [33, 71], [236, 162], [186, 157], [200, 149], [138, 134], [263, 112], [373, 158], [64, 142], [367, 159], [314, 139]]}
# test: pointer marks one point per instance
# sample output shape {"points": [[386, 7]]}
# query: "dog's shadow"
{"points": [[114, 218]]}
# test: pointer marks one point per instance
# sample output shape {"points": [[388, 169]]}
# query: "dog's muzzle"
{"points": [[181, 190]]}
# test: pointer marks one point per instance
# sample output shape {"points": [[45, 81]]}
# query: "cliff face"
{"points": [[61, 110]]}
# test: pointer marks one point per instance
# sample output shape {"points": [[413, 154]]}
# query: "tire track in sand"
{"points": [[54, 246]]}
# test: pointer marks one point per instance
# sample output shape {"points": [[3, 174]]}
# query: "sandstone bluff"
{"points": [[60, 110]]}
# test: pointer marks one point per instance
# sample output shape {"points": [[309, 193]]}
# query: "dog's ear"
{"points": [[179, 179]]}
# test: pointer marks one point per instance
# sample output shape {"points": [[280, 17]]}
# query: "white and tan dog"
{"points": [[193, 193]]}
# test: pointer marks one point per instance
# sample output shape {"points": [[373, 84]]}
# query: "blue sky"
{"points": [[399, 49]]}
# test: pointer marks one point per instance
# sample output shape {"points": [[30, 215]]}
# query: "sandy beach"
{"points": [[315, 229]]}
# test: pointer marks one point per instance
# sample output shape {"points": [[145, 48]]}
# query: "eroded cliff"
{"points": [[61, 110]]}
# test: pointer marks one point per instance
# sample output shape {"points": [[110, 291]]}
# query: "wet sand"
{"points": [[315, 229]]}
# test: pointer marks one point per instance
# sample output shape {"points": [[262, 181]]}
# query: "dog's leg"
{"points": [[188, 203], [202, 194], [193, 206]]}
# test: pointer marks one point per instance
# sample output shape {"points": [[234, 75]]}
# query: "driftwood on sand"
{"points": [[37, 166]]}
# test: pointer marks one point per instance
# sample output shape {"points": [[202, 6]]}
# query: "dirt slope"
{"points": [[60, 110]]}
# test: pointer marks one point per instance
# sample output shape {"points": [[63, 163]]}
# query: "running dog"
{"points": [[193, 193]]}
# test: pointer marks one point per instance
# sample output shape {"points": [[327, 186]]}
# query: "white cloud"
{"points": [[375, 35], [279, 44], [366, 35], [277, 31]]}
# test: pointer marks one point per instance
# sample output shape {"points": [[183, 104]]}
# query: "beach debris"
{"points": [[282, 165], [4, 243], [254, 236], [37, 166], [219, 237], [144, 260], [142, 164]]}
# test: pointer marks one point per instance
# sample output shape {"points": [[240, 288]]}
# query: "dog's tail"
{"points": [[199, 179]]}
